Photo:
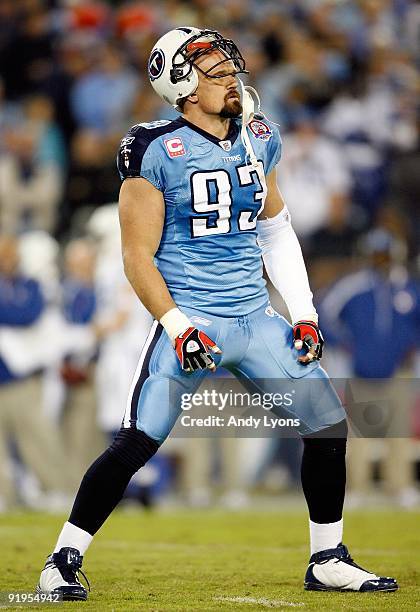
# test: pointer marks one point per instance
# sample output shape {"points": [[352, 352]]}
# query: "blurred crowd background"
{"points": [[341, 79]]}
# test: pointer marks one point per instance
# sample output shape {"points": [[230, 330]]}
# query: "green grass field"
{"points": [[213, 560]]}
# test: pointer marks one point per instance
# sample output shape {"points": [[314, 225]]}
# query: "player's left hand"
{"points": [[306, 334]]}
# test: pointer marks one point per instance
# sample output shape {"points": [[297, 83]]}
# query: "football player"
{"points": [[200, 211]]}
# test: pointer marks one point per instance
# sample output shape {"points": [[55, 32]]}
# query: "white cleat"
{"points": [[60, 576], [335, 570]]}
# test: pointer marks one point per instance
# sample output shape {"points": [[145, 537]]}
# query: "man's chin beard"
{"points": [[231, 109]]}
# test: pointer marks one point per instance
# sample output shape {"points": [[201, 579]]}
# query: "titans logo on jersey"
{"points": [[208, 254]]}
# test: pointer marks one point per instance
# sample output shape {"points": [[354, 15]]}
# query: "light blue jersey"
{"points": [[208, 255], [212, 265]]}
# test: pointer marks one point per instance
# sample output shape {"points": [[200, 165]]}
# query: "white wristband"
{"points": [[175, 323], [309, 317]]}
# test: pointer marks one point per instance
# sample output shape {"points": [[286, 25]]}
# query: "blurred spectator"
{"points": [[31, 170], [274, 77], [27, 46], [370, 118], [81, 438], [90, 15], [39, 259], [39, 253], [136, 18], [102, 97], [404, 190], [209, 464], [21, 298], [93, 180], [311, 159], [79, 299], [374, 315], [146, 107], [375, 311], [22, 420], [9, 116], [412, 28], [72, 59]]}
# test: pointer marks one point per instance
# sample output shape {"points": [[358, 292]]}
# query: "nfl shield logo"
{"points": [[226, 145]]}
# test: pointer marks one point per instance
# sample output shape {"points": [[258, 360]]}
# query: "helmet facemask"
{"points": [[184, 60]]}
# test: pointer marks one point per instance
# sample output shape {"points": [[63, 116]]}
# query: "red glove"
{"points": [[306, 334], [192, 348]]}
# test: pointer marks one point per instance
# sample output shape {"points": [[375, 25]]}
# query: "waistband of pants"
{"points": [[239, 320]]}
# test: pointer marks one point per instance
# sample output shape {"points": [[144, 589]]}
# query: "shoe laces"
{"points": [[337, 555], [71, 574], [347, 558], [70, 569]]}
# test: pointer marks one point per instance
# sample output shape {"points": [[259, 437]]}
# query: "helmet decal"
{"points": [[156, 64]]}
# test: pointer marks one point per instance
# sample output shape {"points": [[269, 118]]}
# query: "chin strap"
{"points": [[248, 113]]}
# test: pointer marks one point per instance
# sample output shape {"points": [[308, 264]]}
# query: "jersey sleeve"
{"points": [[274, 148], [139, 157]]}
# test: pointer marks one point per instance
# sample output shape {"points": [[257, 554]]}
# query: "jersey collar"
{"points": [[231, 135]]}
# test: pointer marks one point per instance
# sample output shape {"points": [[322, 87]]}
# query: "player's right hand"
{"points": [[193, 349]]}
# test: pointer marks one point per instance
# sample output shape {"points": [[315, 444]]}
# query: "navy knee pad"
{"points": [[105, 481], [133, 448]]}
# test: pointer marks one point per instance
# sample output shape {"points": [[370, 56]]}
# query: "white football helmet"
{"points": [[171, 67]]}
